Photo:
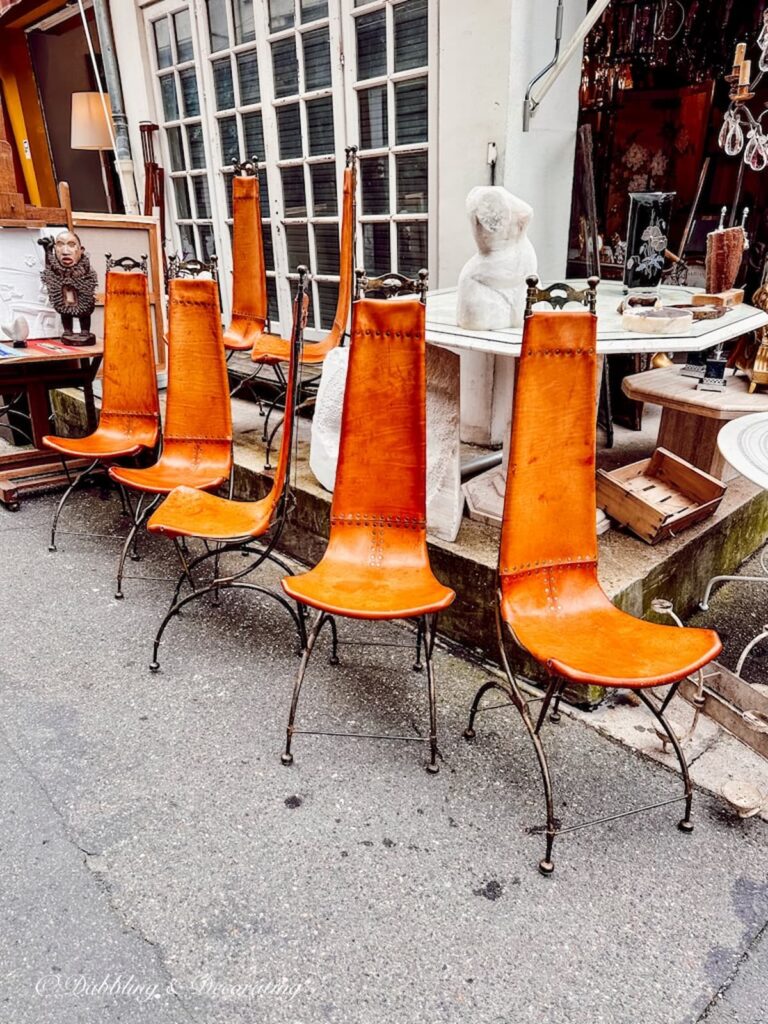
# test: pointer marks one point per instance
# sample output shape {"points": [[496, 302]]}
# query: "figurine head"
{"points": [[498, 218], [68, 249]]}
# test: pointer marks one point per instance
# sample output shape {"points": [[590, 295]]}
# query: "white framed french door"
{"points": [[292, 82]]}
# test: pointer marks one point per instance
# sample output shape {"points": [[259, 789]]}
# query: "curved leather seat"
{"points": [[563, 618], [117, 436], [402, 586], [196, 462]]}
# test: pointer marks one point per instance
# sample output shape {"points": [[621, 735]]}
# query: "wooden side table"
{"points": [[691, 420], [44, 365]]}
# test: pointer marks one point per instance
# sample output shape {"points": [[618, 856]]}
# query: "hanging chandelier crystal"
{"points": [[742, 132]]}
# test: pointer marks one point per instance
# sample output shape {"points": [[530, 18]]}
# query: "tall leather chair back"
{"points": [[129, 380], [381, 474], [249, 283], [549, 509], [198, 407]]}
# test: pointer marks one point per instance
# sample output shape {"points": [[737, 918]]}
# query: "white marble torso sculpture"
{"points": [[492, 287]]}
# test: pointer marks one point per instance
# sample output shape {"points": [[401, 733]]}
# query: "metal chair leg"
{"points": [[287, 757], [417, 665], [752, 644], [430, 630], [140, 517], [685, 824], [175, 609], [334, 657], [66, 496]]}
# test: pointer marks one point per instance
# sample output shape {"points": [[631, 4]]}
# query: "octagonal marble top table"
{"points": [[486, 492]]}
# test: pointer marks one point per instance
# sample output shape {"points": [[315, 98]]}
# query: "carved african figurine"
{"points": [[71, 284], [492, 285]]}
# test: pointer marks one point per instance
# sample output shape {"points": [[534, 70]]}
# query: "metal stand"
{"points": [[510, 689], [704, 604], [426, 632]]}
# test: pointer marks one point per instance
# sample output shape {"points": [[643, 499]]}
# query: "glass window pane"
{"points": [[182, 29], [285, 67], [294, 193], [371, 45], [323, 190], [289, 131], [317, 59], [188, 82], [183, 209], [163, 43], [187, 236], [411, 112], [412, 183], [196, 146], [376, 255], [263, 192], [411, 247], [168, 94], [329, 296], [176, 149], [410, 35], [372, 106], [281, 15], [311, 10], [254, 135], [223, 85], [207, 243], [202, 197], [245, 24], [374, 173], [248, 76], [327, 248], [217, 25], [272, 310], [230, 145], [320, 126], [297, 239], [228, 176], [269, 252]]}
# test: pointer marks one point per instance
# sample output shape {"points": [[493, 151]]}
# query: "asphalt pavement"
{"points": [[160, 864]]}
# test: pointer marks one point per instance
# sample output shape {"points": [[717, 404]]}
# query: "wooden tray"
{"points": [[658, 497]]}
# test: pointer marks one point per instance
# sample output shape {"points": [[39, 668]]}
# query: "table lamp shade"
{"points": [[89, 124]]}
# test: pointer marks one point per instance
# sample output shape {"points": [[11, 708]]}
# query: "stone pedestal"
{"points": [[445, 503]]}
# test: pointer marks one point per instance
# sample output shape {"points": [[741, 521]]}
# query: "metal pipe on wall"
{"points": [[121, 139]]}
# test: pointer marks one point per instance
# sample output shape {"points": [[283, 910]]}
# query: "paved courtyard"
{"points": [[159, 863]]}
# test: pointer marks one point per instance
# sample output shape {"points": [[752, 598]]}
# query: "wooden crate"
{"points": [[658, 497]]}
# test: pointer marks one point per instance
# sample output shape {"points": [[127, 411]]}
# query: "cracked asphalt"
{"points": [[160, 864]]}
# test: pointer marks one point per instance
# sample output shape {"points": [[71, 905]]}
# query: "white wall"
{"points": [[538, 165]]}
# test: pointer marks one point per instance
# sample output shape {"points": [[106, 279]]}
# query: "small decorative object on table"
{"points": [[71, 284], [18, 332], [661, 320], [647, 238], [492, 289]]}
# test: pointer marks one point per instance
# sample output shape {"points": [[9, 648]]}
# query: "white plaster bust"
{"points": [[492, 285]]}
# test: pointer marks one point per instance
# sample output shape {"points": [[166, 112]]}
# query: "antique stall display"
{"points": [[71, 284], [742, 133], [491, 292], [658, 497], [750, 356], [549, 600]]}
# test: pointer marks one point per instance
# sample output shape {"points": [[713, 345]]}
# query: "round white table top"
{"points": [[611, 337], [744, 444]]}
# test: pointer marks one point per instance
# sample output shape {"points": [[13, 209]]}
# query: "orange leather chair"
{"points": [[197, 443], [549, 601], [129, 422], [237, 525], [376, 565], [270, 349]]}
